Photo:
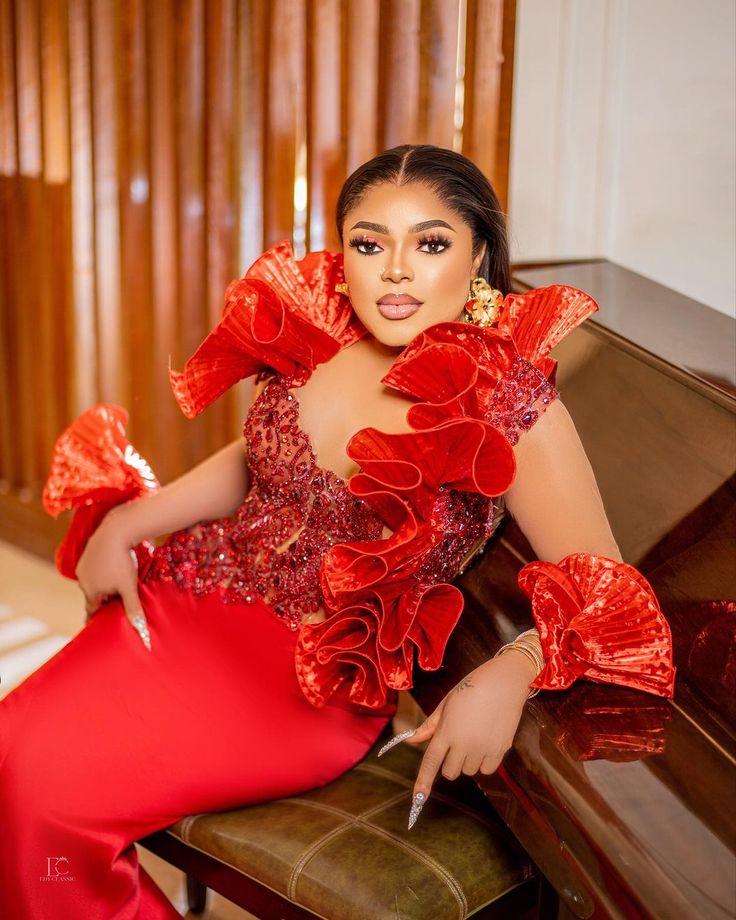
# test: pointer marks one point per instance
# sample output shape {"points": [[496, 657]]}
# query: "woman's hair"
{"points": [[457, 181]]}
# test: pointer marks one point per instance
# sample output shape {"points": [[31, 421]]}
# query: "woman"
{"points": [[311, 560]]}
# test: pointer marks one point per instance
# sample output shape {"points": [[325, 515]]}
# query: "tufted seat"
{"points": [[343, 851]]}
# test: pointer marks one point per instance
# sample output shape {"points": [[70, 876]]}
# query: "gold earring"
{"points": [[342, 288], [484, 303]]}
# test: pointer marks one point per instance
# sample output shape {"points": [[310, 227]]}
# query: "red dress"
{"points": [[238, 702]]}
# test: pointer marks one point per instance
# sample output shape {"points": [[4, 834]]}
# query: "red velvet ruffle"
{"points": [[599, 619], [455, 369], [283, 314], [541, 318], [379, 608], [93, 468]]}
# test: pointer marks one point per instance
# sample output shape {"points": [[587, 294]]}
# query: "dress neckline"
{"points": [[310, 444], [283, 381], [289, 385]]}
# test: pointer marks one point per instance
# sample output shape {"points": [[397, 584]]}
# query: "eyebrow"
{"points": [[417, 228]]}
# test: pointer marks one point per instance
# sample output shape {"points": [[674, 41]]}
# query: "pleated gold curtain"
{"points": [[150, 151]]}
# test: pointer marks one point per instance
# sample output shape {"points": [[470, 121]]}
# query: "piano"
{"points": [[626, 801]]}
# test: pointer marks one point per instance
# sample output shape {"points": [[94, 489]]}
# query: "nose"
{"points": [[396, 273]]}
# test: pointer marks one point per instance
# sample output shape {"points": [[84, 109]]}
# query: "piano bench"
{"points": [[342, 851]]}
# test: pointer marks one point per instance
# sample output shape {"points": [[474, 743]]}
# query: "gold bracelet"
{"points": [[530, 653], [503, 648], [526, 652], [532, 638], [538, 658], [528, 642], [533, 647], [534, 632]]}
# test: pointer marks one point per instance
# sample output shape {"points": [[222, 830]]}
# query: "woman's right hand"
{"points": [[107, 567]]}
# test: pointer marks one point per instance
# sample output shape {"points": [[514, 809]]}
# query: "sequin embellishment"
{"points": [[463, 521], [293, 513], [521, 397]]}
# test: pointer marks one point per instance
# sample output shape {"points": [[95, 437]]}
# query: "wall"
{"points": [[623, 139]]}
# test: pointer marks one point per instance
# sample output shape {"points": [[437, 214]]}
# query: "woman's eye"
{"points": [[433, 243], [358, 243], [368, 247]]}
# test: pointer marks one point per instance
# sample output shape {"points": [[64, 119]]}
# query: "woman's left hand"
{"points": [[474, 726]]}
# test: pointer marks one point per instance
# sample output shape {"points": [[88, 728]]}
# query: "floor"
{"points": [[40, 612]]}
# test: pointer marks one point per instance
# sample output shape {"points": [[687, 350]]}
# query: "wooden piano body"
{"points": [[627, 801]]}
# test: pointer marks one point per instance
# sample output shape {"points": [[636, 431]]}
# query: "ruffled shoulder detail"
{"points": [[541, 318], [93, 468], [307, 287], [459, 369], [283, 314]]}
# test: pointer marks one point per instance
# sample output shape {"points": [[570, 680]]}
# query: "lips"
{"points": [[398, 306]]}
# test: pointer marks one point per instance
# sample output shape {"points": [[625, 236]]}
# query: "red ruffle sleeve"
{"points": [[283, 314], [93, 468], [598, 619]]}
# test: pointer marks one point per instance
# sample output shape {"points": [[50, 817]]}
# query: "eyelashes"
{"points": [[357, 241], [435, 239]]}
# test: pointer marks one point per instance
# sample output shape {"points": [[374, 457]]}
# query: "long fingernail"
{"points": [[396, 739], [416, 806], [140, 625]]}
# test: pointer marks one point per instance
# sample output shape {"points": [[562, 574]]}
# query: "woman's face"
{"points": [[404, 247]]}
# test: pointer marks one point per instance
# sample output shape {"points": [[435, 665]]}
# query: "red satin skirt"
{"points": [[107, 742]]}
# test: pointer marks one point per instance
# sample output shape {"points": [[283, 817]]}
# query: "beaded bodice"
{"points": [[295, 510]]}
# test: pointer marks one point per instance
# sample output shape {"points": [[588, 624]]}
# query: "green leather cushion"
{"points": [[343, 850]]}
